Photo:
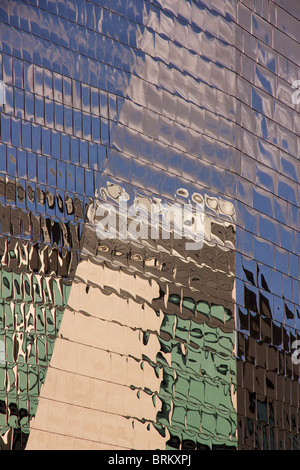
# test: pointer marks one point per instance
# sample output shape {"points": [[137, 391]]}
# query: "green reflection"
{"points": [[31, 310]]}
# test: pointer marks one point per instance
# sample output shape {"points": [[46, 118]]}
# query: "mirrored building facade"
{"points": [[164, 333]]}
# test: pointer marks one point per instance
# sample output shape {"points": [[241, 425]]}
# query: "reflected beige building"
{"points": [[88, 399], [137, 315]]}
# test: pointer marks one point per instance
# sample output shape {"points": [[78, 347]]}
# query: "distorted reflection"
{"points": [[169, 314], [172, 334]]}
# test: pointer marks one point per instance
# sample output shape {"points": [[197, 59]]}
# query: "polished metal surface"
{"points": [[121, 343]]}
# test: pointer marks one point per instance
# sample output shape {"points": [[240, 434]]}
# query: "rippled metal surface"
{"points": [[118, 344]]}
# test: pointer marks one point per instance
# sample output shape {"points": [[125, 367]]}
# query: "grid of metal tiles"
{"points": [[158, 95]]}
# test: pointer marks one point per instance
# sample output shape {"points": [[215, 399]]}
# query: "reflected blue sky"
{"points": [[167, 106]]}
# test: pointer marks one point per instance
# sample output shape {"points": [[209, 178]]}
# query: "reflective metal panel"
{"points": [[174, 331]]}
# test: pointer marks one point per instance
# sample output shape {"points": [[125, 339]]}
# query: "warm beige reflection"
{"points": [[86, 401]]}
